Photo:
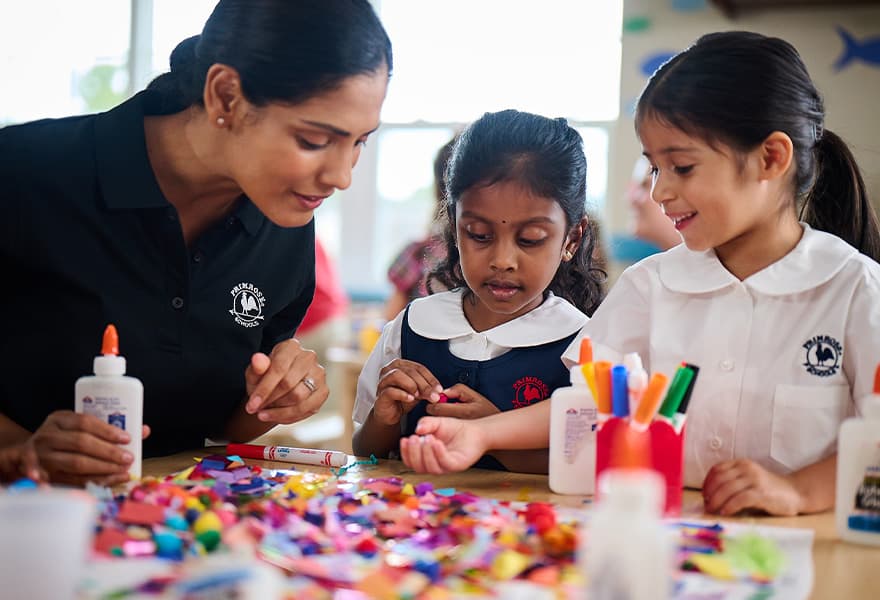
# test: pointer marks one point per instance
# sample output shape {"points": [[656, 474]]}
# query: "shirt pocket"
{"points": [[806, 420]]}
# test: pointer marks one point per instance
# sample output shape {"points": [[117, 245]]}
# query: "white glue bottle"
{"points": [[573, 422], [857, 506], [629, 551], [113, 397]]}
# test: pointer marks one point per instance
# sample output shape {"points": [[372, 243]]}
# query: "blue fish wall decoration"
{"points": [[866, 51]]}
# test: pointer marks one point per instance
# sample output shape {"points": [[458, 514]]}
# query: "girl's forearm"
{"points": [[521, 429], [376, 438], [524, 461], [816, 485]]}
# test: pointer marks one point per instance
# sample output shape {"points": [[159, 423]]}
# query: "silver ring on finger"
{"points": [[309, 383]]}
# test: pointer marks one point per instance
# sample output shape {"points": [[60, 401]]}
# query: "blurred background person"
{"points": [[647, 220], [408, 271]]}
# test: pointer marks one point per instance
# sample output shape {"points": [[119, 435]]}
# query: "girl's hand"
{"points": [[20, 461], [402, 385], [467, 404], [287, 386], [74, 449], [736, 485], [443, 445]]}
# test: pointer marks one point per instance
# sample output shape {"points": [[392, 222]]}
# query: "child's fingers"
{"points": [[428, 425], [718, 475], [722, 494], [426, 385], [429, 458], [411, 452], [739, 501], [446, 460]]}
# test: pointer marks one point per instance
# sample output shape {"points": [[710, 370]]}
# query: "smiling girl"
{"points": [[519, 267]]}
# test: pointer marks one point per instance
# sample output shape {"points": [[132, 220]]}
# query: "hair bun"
{"points": [[184, 54]]}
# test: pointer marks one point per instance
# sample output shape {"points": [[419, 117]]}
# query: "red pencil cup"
{"points": [[666, 456]]}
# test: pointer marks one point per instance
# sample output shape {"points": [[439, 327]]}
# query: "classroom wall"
{"points": [[653, 27]]}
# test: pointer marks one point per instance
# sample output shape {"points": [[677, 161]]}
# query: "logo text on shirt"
{"points": [[247, 304], [823, 355], [529, 390]]}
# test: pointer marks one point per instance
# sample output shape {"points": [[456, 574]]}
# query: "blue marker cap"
{"points": [[619, 392]]}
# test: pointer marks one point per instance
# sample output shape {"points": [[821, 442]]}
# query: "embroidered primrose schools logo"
{"points": [[529, 390], [247, 304], [823, 355]]}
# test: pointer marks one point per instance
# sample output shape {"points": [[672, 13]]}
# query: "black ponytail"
{"points": [[838, 202]]}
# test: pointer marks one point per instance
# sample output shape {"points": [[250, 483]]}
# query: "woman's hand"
{"points": [[467, 404], [402, 385], [443, 445], [736, 485], [74, 449], [286, 386], [20, 461]]}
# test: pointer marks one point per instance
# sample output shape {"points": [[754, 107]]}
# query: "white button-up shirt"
{"points": [[784, 355], [440, 317]]}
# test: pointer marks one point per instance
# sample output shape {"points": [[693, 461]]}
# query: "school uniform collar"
{"points": [[440, 317], [816, 258], [123, 166]]}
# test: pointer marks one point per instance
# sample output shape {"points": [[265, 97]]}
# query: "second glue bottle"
{"points": [[113, 397], [573, 421]]}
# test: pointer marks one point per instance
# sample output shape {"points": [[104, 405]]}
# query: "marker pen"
{"points": [[603, 389], [681, 411], [586, 351], [677, 388], [305, 456], [589, 372], [637, 379], [647, 407], [619, 392]]}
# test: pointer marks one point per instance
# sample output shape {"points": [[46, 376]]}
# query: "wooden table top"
{"points": [[842, 570]]}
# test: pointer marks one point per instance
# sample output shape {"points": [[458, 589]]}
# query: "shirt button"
{"points": [[726, 365], [197, 257], [177, 302], [463, 377], [716, 443]]}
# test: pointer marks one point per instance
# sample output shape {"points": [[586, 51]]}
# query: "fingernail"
{"points": [[410, 397], [123, 437], [263, 416], [438, 387], [127, 457], [253, 404], [435, 397]]}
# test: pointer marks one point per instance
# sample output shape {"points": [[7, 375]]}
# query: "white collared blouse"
{"points": [[440, 317], [784, 355]]}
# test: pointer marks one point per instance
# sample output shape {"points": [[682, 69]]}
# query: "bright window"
{"points": [[59, 58]]}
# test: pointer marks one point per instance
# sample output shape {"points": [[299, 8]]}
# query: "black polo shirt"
{"points": [[87, 239]]}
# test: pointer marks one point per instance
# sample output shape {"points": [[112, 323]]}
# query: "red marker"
{"points": [[305, 456]]}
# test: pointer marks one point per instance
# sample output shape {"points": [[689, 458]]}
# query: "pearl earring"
{"points": [[567, 255], [221, 121]]}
